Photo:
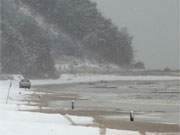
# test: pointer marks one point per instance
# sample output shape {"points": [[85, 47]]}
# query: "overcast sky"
{"points": [[154, 25]]}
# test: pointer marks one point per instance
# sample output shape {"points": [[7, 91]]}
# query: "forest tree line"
{"points": [[81, 31]]}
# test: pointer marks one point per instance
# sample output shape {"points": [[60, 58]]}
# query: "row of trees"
{"points": [[81, 20], [82, 32], [25, 46]]}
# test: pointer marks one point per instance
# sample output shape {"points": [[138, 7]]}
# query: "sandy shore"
{"points": [[102, 122], [105, 100]]}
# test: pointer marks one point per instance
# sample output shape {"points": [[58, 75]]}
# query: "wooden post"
{"points": [[10, 85], [131, 115], [72, 104]]}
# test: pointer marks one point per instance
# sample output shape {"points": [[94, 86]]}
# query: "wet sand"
{"points": [[102, 122]]}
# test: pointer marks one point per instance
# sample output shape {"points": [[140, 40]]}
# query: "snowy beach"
{"points": [[58, 118]]}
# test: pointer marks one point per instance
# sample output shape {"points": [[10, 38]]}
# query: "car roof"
{"points": [[25, 80]]}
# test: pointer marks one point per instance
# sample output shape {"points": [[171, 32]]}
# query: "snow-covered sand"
{"points": [[14, 122]]}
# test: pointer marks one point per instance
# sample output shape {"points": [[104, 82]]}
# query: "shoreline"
{"points": [[102, 122]]}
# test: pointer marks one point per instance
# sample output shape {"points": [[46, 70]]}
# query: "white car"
{"points": [[25, 83]]}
